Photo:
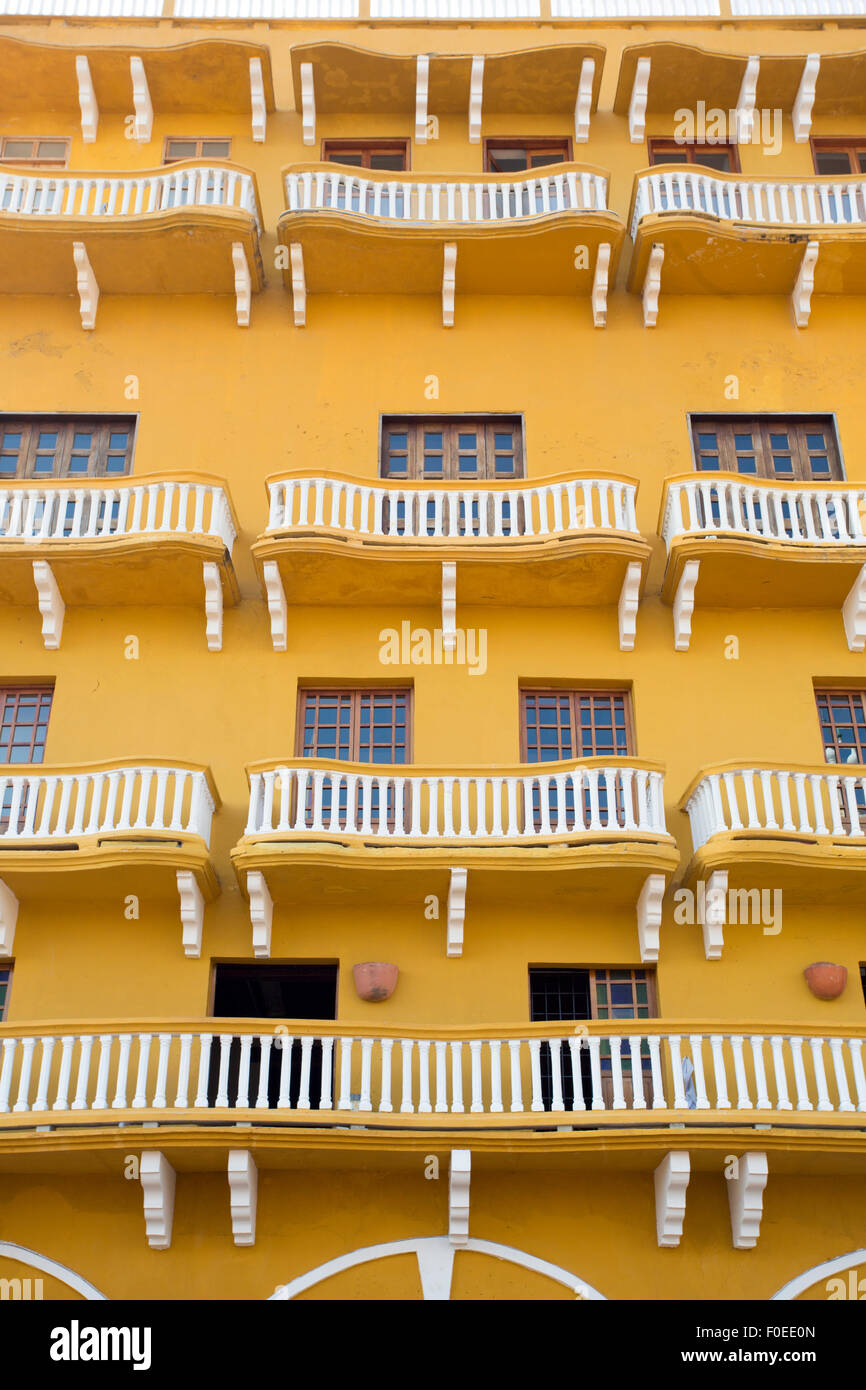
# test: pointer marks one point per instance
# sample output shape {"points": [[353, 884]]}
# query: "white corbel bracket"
{"points": [[671, 1182], [261, 912], [449, 605], [801, 299], [458, 1196], [86, 100], [649, 916], [142, 127], [299, 284], [746, 1199], [422, 85], [213, 606], [191, 912], [158, 1184], [684, 605], [88, 290], [744, 115], [476, 89], [258, 105], [243, 1178], [854, 613], [637, 105], [652, 283], [8, 918], [599, 285], [449, 283], [456, 912], [243, 284], [629, 599], [51, 605], [308, 104], [715, 914], [583, 104], [277, 606], [801, 115]]}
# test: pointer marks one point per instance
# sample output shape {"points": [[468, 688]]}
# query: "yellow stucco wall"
{"points": [[245, 404]]}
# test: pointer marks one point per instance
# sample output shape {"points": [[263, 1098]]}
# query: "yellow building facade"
{"points": [[412, 559]]}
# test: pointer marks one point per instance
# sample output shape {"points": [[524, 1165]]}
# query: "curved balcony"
{"points": [[798, 829], [154, 540], [340, 540], [132, 827], [375, 233], [296, 1074], [733, 542], [586, 827], [172, 230], [725, 234]]}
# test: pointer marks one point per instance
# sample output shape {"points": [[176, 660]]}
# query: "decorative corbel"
{"points": [[258, 104], [143, 124], [456, 912], [86, 100]]}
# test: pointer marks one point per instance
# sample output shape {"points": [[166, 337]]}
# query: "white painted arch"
{"points": [[798, 1285], [34, 1260], [435, 1255]]}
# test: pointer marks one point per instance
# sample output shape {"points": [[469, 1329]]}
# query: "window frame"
{"points": [[528, 143], [34, 161], [794, 419], [31, 424], [691, 146], [367, 147], [9, 967], [592, 970], [837, 144], [198, 140], [451, 426], [574, 695], [830, 692], [17, 689], [220, 962], [356, 694]]}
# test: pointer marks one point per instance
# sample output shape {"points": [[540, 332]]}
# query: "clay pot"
{"points": [[375, 980], [825, 980]]}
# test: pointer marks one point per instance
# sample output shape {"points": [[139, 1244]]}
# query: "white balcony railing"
{"points": [[471, 512], [774, 801], [302, 1074], [818, 202], [435, 807], [124, 509], [59, 806], [127, 195], [451, 201], [814, 515]]}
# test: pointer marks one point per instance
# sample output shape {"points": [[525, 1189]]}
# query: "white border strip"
{"points": [[66, 1276], [794, 1287]]}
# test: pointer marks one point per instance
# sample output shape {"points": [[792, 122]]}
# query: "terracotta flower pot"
{"points": [[375, 980], [825, 980]]}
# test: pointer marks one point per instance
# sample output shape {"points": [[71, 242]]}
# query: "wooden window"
{"points": [[368, 154], [768, 446], [54, 446], [608, 994], [34, 151], [273, 990], [24, 712], [559, 725], [839, 157], [186, 147], [842, 717], [722, 156], [504, 155], [360, 726], [452, 447], [5, 986]]}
